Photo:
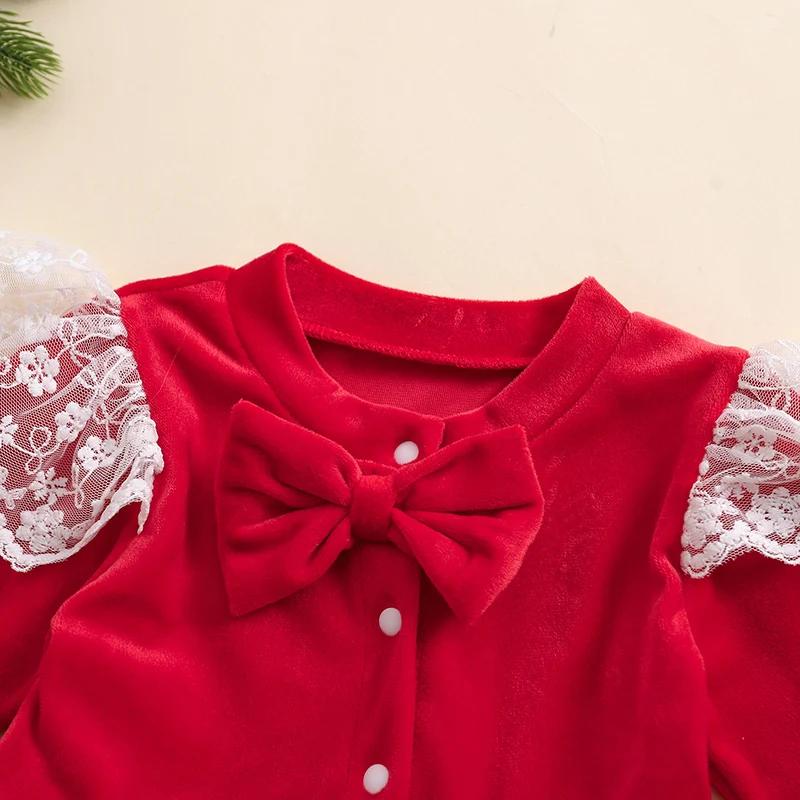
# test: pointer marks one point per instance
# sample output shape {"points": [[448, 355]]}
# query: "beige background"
{"points": [[496, 150]]}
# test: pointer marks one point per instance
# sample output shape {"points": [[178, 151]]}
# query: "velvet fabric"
{"points": [[598, 669], [289, 501]]}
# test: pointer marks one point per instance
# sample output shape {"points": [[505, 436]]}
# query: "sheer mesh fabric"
{"points": [[77, 442], [747, 495]]}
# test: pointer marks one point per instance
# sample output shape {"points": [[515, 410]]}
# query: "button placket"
{"points": [[384, 728], [385, 725]]}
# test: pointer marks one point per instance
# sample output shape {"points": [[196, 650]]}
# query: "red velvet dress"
{"points": [[409, 546]]}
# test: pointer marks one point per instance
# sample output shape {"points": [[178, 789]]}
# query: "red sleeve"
{"points": [[28, 601], [78, 449], [741, 564], [745, 617]]}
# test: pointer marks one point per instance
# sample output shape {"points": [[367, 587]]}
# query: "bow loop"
{"points": [[371, 507], [289, 501]]}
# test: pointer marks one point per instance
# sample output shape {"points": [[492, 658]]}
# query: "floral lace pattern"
{"points": [[747, 495], [76, 439]]}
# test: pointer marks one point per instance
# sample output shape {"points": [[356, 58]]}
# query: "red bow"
{"points": [[289, 501]]}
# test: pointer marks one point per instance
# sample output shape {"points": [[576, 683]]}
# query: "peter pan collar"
{"points": [[560, 342]]}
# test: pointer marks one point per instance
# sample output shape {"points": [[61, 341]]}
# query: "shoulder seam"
{"points": [[217, 272], [709, 343]]}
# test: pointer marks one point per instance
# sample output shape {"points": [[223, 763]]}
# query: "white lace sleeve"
{"points": [[747, 496], [76, 439]]}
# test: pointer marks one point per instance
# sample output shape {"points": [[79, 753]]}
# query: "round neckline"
{"points": [[280, 298]]}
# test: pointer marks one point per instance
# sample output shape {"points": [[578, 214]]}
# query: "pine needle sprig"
{"points": [[28, 64]]}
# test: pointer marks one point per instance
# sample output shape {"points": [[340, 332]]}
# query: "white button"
{"points": [[376, 778], [406, 452], [390, 621]]}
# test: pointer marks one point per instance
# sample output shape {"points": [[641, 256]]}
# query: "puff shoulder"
{"points": [[747, 494], [77, 442]]}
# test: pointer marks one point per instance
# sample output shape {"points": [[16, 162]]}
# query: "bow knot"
{"points": [[371, 507], [290, 501]]}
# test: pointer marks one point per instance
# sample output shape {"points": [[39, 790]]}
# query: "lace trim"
{"points": [[747, 495], [76, 439]]}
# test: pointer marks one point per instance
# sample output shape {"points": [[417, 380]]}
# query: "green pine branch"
{"points": [[28, 64]]}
